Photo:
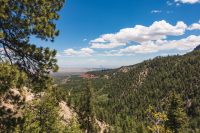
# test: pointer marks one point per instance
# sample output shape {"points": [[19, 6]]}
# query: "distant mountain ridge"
{"points": [[197, 48], [130, 90]]}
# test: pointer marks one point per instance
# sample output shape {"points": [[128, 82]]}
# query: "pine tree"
{"points": [[156, 121], [10, 79], [42, 116], [73, 127], [87, 112], [177, 118], [22, 19], [19, 21]]}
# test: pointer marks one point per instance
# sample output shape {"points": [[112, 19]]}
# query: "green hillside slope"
{"points": [[127, 93]]}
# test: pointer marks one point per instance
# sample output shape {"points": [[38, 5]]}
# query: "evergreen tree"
{"points": [[10, 79], [156, 121], [126, 98], [42, 116], [21, 19], [73, 127], [177, 118], [87, 113]]}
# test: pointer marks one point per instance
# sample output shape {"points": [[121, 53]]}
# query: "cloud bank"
{"points": [[160, 45], [139, 34], [81, 52], [188, 1], [141, 40]]}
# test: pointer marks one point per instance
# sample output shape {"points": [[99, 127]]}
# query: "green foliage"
{"points": [[177, 118], [10, 77], [129, 94], [42, 116], [21, 19], [87, 114], [73, 127], [157, 121], [30, 17]]}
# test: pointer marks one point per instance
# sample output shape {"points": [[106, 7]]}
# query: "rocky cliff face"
{"points": [[12, 103], [66, 113]]}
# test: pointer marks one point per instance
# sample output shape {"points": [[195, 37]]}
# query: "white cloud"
{"points": [[195, 26], [151, 39], [107, 45], [112, 53], [156, 11], [147, 47], [158, 30], [81, 52], [185, 44], [188, 1]]}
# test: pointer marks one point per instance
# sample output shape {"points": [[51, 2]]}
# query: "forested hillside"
{"points": [[156, 95], [161, 95]]}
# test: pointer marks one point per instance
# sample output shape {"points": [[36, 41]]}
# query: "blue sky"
{"points": [[112, 33]]}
